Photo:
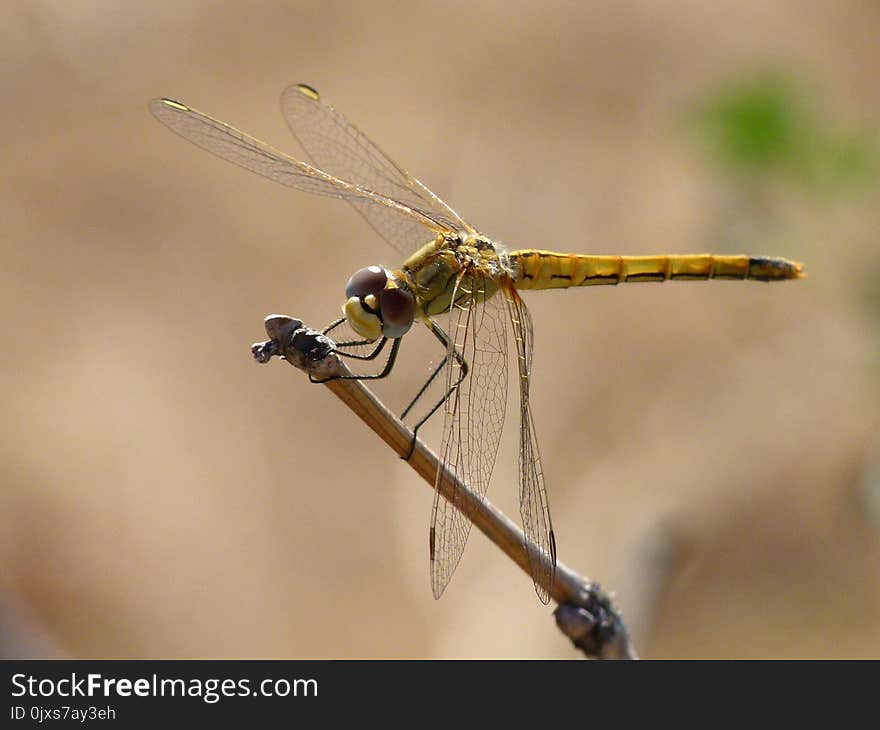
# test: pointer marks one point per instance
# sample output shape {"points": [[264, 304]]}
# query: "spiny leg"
{"points": [[333, 325], [339, 349], [439, 333], [423, 389], [354, 343], [372, 356], [392, 357]]}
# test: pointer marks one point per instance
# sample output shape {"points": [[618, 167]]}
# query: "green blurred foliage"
{"points": [[767, 126]]}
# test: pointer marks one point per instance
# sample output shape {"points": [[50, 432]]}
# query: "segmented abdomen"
{"points": [[537, 269]]}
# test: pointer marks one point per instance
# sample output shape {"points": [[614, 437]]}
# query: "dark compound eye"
{"points": [[367, 281], [397, 307]]}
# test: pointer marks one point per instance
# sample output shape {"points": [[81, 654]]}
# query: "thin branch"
{"points": [[585, 613]]}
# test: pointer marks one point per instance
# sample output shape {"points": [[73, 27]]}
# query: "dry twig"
{"points": [[586, 614]]}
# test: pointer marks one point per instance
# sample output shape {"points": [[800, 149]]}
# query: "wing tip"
{"points": [[165, 101], [544, 580], [439, 580], [163, 104], [309, 91]]}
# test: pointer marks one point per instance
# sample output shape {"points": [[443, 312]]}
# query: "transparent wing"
{"points": [[473, 414], [336, 146], [533, 505], [235, 146]]}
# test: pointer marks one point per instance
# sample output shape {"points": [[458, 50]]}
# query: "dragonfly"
{"points": [[462, 285]]}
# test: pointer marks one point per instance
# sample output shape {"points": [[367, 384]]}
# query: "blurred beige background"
{"points": [[708, 447]]}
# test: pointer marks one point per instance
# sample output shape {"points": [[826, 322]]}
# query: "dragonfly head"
{"points": [[378, 304]]}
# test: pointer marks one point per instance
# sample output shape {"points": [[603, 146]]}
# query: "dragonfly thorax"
{"points": [[378, 304], [452, 267]]}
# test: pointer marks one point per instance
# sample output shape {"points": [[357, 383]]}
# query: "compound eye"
{"points": [[364, 282], [398, 310]]}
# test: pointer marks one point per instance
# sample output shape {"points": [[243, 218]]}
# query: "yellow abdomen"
{"points": [[537, 269]]}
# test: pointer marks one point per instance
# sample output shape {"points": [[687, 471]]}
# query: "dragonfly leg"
{"points": [[438, 332], [423, 389], [340, 347], [354, 343], [333, 325], [372, 356], [385, 371]]}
